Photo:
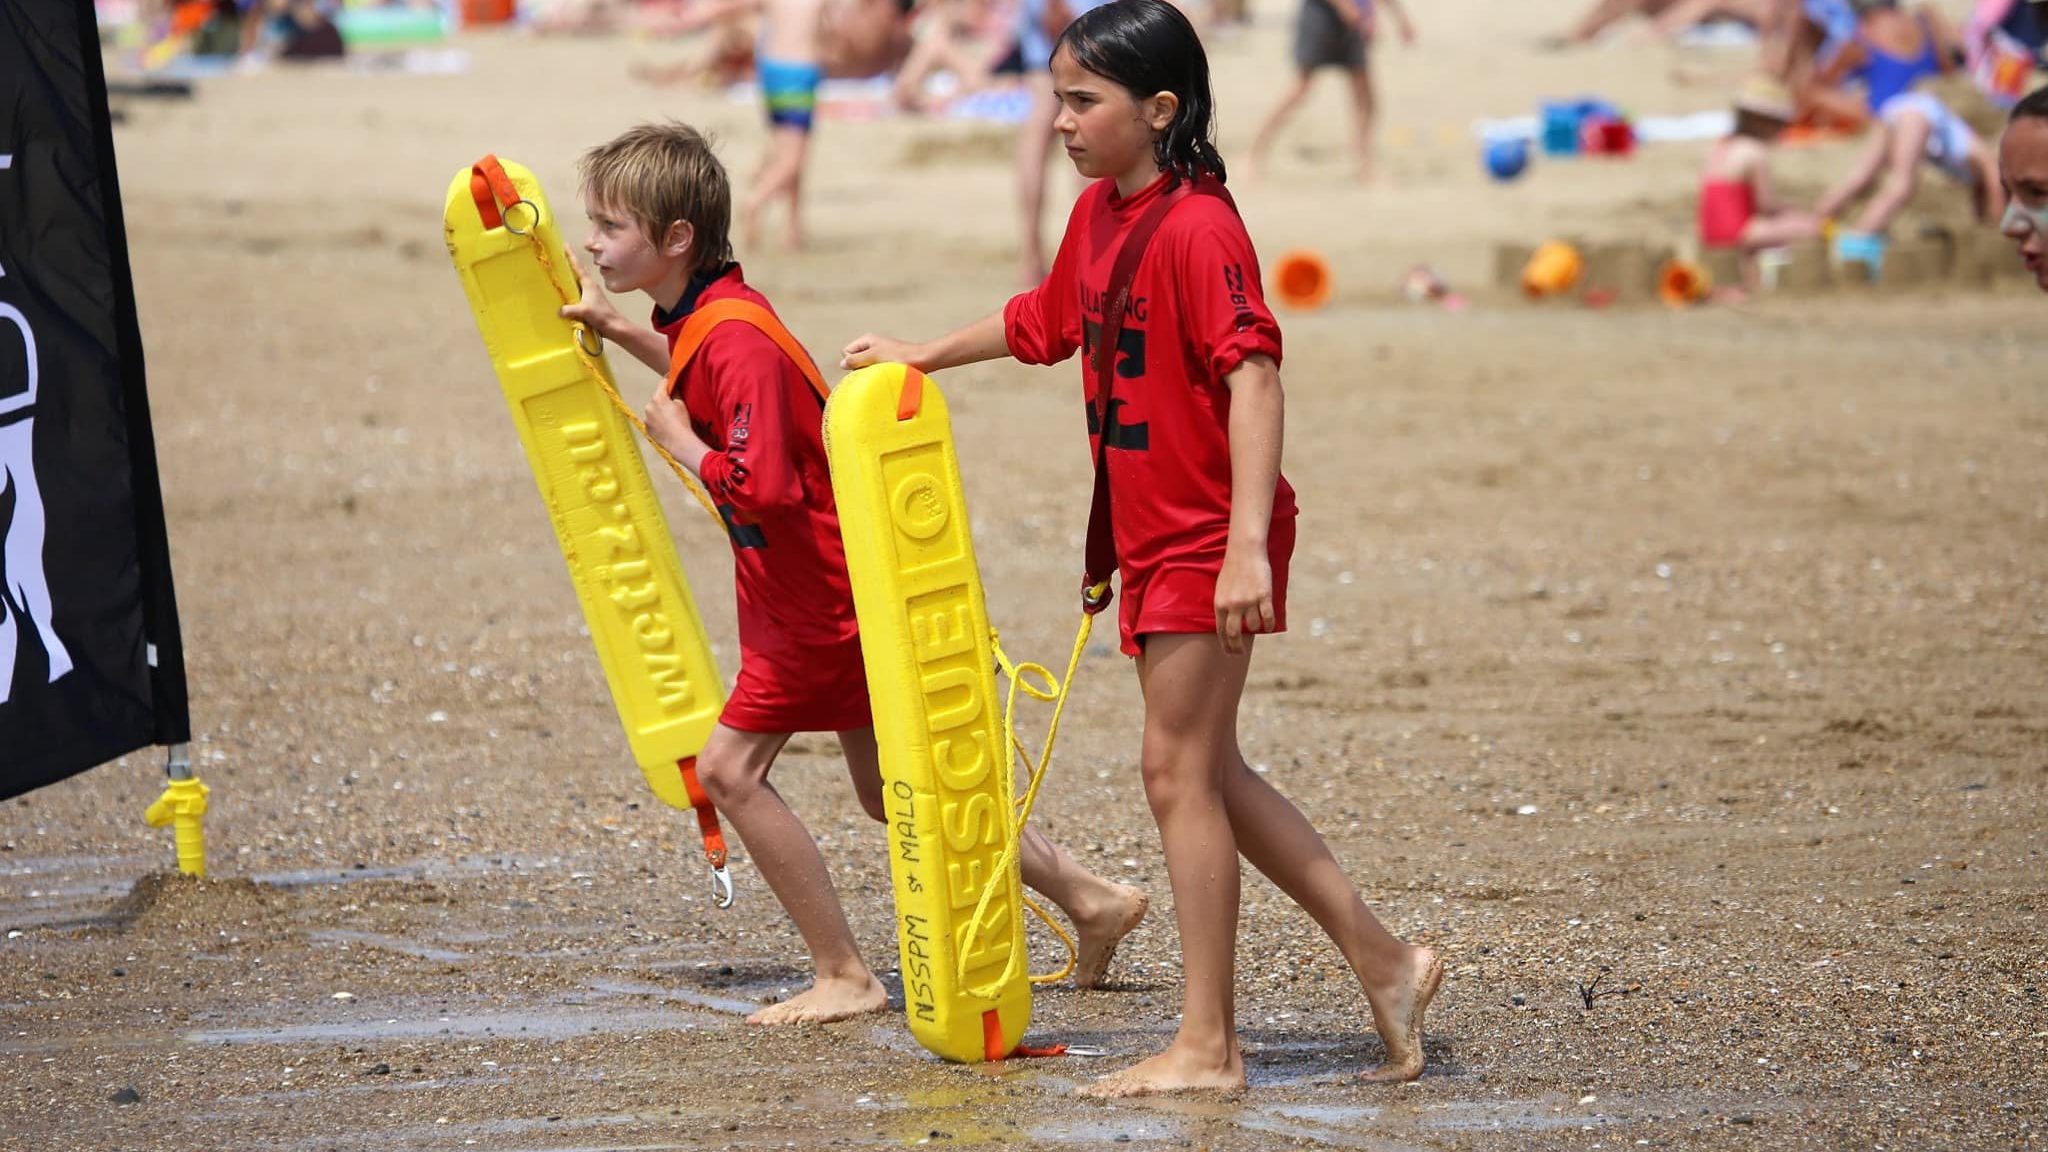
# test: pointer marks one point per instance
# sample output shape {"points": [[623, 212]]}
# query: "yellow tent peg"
{"points": [[183, 805]]}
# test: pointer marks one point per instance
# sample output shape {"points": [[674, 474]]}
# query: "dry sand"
{"points": [[1700, 656]]}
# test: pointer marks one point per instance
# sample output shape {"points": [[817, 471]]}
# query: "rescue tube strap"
{"points": [[711, 315]]}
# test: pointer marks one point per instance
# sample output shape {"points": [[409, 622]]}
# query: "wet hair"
{"points": [[2034, 107], [662, 173], [1147, 47]]}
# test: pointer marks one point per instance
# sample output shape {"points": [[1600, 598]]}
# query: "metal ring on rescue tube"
{"points": [[1095, 598], [582, 331], [506, 215]]}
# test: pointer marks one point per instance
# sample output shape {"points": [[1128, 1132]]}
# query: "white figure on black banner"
{"points": [[24, 588]]}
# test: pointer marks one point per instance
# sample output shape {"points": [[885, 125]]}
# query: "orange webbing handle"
{"points": [[707, 817], [492, 190], [911, 398], [993, 1049], [711, 315]]}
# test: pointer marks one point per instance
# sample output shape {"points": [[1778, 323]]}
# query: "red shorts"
{"points": [[800, 689], [1181, 598]]}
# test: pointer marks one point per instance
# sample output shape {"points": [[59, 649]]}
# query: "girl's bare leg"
{"points": [[734, 769], [1191, 688], [1398, 979]]}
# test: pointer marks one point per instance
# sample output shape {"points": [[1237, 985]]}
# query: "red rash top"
{"points": [[800, 665], [1197, 311]]}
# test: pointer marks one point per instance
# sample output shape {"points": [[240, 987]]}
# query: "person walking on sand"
{"points": [[1156, 283], [744, 417], [1333, 34]]}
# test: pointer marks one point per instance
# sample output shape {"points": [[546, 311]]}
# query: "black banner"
{"points": [[90, 661]]}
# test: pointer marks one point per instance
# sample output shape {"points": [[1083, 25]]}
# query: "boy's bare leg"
{"points": [[1362, 120], [1103, 912], [1191, 688], [1262, 144], [734, 769]]}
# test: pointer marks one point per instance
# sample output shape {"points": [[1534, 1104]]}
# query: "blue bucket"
{"points": [[1561, 124], [1865, 248]]}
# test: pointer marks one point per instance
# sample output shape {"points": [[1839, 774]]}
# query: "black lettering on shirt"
{"points": [[1130, 437], [1130, 347]]}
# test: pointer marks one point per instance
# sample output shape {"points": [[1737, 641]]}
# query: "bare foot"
{"points": [[826, 1001], [1397, 1014], [1170, 1071], [1102, 932]]}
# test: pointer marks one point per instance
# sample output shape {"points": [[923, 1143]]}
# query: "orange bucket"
{"points": [[1554, 268], [1302, 279], [1682, 283], [479, 12]]}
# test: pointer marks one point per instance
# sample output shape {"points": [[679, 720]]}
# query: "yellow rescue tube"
{"points": [[621, 558], [945, 766]]}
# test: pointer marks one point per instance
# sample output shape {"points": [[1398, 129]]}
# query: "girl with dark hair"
{"points": [[1156, 282]]}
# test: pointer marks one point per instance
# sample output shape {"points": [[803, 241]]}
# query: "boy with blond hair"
{"points": [[741, 406]]}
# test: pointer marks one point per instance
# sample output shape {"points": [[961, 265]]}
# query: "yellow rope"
{"points": [[1057, 692], [603, 380]]}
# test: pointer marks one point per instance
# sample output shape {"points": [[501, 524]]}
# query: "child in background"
{"points": [[1333, 34], [745, 419], [1737, 209], [1892, 53], [1038, 22], [1189, 448]]}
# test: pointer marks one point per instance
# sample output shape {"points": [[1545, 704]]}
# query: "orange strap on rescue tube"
{"points": [[911, 398], [492, 190], [711, 315], [707, 827], [992, 1043], [707, 817]]}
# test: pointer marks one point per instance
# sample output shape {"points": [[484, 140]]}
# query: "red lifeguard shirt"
{"points": [[1197, 311], [800, 668]]}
